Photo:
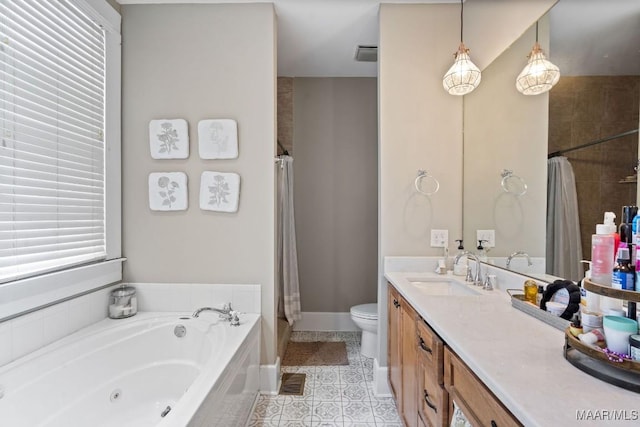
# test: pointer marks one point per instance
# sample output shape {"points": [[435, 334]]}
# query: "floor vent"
{"points": [[292, 384]]}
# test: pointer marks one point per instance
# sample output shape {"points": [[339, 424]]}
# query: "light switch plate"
{"points": [[439, 238], [488, 235]]}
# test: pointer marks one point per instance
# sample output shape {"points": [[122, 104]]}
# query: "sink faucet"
{"points": [[477, 280], [226, 313], [518, 253]]}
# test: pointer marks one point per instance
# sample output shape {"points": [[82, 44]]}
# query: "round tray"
{"points": [[608, 291], [625, 374]]}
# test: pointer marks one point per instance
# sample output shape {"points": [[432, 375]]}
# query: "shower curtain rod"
{"points": [[589, 144]]}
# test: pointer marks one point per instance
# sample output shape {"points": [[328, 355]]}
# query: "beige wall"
{"points": [[335, 196], [420, 125], [200, 62], [504, 129]]}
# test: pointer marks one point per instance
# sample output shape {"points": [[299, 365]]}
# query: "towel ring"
{"points": [[516, 181], [422, 174]]}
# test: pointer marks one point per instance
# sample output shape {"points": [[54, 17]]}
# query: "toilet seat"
{"points": [[365, 311]]}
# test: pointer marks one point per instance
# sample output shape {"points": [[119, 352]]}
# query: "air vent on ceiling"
{"points": [[367, 53]]}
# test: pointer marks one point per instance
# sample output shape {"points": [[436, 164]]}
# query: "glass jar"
{"points": [[123, 302]]}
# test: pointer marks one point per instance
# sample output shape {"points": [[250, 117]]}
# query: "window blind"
{"points": [[52, 153]]}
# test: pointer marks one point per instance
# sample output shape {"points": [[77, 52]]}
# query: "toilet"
{"points": [[365, 316]]}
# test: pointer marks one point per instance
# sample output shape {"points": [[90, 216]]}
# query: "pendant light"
{"points": [[539, 75], [463, 76]]}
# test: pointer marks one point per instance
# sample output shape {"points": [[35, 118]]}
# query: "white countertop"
{"points": [[518, 357]]}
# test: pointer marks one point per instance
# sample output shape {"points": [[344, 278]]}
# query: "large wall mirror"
{"points": [[509, 137]]}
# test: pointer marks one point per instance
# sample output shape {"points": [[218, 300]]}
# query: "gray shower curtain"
{"points": [[564, 247], [287, 266]]}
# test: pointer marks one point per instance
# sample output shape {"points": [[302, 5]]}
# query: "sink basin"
{"points": [[441, 287]]}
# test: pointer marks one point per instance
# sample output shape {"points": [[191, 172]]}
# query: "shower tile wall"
{"points": [[285, 113], [584, 109]]}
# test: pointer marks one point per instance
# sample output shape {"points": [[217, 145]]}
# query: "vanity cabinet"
{"points": [[394, 316], [415, 365], [426, 377], [433, 398], [409, 362], [475, 400]]}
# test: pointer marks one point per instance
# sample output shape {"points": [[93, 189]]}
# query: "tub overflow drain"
{"points": [[180, 331], [166, 411], [115, 395]]}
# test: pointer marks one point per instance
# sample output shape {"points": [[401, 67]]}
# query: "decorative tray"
{"points": [[517, 301], [595, 362]]}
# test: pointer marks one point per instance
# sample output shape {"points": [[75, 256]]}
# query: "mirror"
{"points": [[597, 97]]}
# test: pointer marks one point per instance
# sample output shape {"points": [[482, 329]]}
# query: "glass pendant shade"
{"points": [[463, 76], [539, 75]]}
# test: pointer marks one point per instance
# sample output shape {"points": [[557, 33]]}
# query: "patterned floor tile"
{"points": [[296, 410], [358, 411], [327, 393], [354, 392], [334, 396]]}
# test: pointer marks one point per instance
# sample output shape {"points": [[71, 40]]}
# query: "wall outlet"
{"points": [[488, 235], [439, 238]]}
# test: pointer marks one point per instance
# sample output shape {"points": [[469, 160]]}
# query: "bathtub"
{"points": [[138, 372]]}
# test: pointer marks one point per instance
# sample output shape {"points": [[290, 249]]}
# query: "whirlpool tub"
{"points": [[153, 369]]}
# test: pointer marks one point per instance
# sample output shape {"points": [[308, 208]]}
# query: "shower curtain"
{"points": [[564, 247], [287, 265]]}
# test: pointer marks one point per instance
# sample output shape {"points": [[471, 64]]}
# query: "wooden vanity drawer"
{"points": [[475, 400], [431, 347], [434, 399]]}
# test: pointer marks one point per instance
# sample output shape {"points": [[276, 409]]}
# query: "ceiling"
{"points": [[318, 38]]}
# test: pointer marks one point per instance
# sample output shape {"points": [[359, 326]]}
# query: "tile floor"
{"points": [[333, 395]]}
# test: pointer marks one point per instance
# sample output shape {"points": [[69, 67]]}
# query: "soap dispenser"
{"points": [[482, 253], [460, 269]]}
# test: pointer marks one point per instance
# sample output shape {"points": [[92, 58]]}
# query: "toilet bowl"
{"points": [[365, 316]]}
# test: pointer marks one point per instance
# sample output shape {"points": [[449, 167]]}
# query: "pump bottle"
{"points": [[602, 256], [460, 269]]}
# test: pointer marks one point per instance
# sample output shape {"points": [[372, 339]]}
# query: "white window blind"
{"points": [[52, 154]]}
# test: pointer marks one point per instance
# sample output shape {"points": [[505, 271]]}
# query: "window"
{"points": [[60, 137]]}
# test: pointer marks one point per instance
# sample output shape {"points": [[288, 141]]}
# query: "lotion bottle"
{"points": [[460, 269], [602, 251], [602, 255]]}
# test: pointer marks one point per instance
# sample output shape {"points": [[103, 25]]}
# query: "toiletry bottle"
{"points": [[626, 224], [623, 272], [590, 301], [460, 269], [482, 253], [530, 291], [602, 251], [635, 227]]}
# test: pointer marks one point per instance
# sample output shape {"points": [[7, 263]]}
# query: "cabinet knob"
{"points": [[494, 424], [396, 303], [428, 402]]}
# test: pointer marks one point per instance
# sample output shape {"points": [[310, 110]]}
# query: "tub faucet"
{"points": [[225, 312], [477, 280], [518, 253]]}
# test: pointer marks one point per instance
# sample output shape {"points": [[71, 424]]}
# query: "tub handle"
{"points": [[165, 412]]}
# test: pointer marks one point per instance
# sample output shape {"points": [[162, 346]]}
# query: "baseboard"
{"points": [[270, 378], [380, 380], [325, 321]]}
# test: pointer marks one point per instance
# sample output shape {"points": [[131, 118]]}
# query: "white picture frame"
{"points": [[219, 191], [169, 139], [218, 139], [168, 191]]}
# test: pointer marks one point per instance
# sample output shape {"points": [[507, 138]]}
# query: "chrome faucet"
{"points": [[226, 313], [518, 253], [477, 280]]}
